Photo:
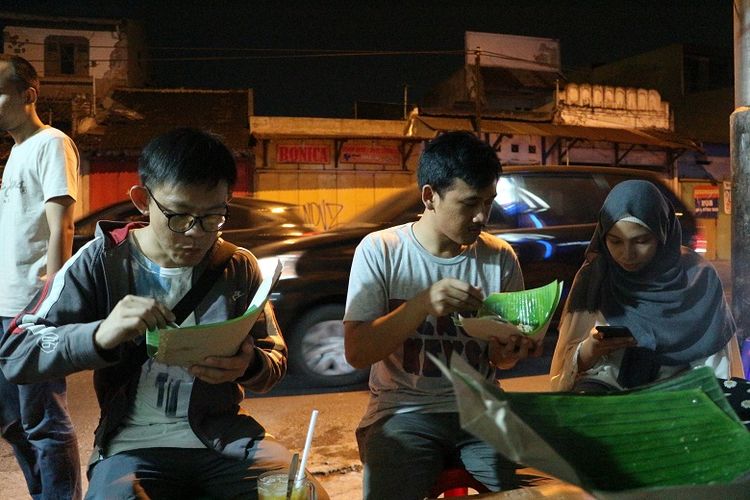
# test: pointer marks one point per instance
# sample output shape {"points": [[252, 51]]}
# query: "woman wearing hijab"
{"points": [[638, 275]]}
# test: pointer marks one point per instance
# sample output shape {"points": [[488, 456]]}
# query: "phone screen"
{"points": [[610, 331]]}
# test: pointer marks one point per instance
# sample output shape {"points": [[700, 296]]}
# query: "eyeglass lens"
{"points": [[183, 222]]}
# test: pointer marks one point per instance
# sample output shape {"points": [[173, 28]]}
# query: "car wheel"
{"points": [[316, 349]]}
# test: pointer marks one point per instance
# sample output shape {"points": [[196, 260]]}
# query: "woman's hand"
{"points": [[595, 346]]}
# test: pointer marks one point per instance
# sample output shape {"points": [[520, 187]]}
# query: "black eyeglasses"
{"points": [[182, 223]]}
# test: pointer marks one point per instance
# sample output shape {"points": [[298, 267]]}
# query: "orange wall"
{"points": [[110, 180]]}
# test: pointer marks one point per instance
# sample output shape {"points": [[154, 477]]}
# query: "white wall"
{"points": [[28, 43]]}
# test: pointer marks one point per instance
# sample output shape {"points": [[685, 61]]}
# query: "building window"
{"points": [[532, 149], [697, 73], [707, 72], [66, 55], [514, 148]]}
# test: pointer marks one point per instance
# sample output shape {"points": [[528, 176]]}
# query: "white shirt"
{"points": [[42, 167]]}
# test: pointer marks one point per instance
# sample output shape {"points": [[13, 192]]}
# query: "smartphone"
{"points": [[611, 332]]}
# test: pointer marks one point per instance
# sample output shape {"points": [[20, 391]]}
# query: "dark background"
{"points": [[278, 47]]}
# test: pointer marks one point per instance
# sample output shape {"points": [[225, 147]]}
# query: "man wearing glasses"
{"points": [[165, 431]]}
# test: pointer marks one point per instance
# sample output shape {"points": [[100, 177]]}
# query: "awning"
{"points": [[278, 127], [430, 126]]}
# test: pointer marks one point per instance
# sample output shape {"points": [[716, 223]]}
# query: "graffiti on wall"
{"points": [[323, 214]]}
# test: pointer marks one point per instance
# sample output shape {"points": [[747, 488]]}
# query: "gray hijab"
{"points": [[675, 306]]}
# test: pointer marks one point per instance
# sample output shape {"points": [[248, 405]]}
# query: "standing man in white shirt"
{"points": [[37, 196]]}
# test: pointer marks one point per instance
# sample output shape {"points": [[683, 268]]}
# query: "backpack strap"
{"points": [[220, 257]]}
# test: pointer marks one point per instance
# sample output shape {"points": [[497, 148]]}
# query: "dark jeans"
{"points": [[179, 473], [34, 420], [404, 454]]}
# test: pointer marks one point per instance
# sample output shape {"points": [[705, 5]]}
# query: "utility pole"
{"points": [[739, 144], [478, 92]]}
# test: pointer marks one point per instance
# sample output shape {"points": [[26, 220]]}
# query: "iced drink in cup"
{"points": [[272, 485]]}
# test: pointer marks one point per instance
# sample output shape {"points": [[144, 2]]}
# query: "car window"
{"points": [[613, 179], [399, 208], [504, 210], [541, 200], [243, 216], [124, 211]]}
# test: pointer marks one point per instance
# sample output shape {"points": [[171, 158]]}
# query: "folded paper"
{"points": [[190, 345]]}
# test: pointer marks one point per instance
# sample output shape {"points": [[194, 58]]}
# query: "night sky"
{"points": [[261, 44]]}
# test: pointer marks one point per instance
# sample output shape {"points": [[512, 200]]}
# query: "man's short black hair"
{"points": [[186, 156], [24, 73], [457, 155]]}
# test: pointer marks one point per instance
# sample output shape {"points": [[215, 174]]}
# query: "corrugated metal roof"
{"points": [[135, 116]]}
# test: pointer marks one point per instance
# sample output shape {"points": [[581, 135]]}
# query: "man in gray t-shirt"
{"points": [[404, 284]]}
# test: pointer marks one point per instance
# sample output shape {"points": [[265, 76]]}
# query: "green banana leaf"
{"points": [[678, 432], [702, 378], [530, 310], [656, 439]]}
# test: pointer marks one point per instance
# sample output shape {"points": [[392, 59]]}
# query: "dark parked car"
{"points": [[546, 213], [251, 221]]}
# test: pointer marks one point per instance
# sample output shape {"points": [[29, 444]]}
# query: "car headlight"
{"points": [[288, 261]]}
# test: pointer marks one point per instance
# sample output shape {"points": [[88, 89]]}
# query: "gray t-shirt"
{"points": [[159, 415], [391, 267]]}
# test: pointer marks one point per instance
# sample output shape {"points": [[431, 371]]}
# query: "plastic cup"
{"points": [[272, 485]]}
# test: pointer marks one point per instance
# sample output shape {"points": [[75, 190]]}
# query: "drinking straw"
{"points": [[308, 442], [292, 475]]}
